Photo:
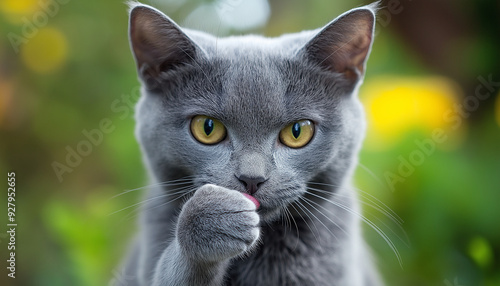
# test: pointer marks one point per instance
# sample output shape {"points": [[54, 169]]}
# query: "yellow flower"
{"points": [[46, 51], [397, 105], [14, 10]]}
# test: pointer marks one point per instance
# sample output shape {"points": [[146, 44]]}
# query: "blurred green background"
{"points": [[431, 155]]}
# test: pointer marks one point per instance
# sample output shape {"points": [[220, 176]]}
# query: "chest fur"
{"points": [[285, 257]]}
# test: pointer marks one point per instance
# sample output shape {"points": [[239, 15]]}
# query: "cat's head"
{"points": [[259, 115]]}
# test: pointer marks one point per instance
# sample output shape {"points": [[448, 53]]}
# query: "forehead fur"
{"points": [[251, 79]]}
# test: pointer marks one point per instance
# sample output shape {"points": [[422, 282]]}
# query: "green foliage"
{"points": [[71, 230]]}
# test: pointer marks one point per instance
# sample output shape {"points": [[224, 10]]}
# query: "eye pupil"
{"points": [[296, 130], [208, 126]]}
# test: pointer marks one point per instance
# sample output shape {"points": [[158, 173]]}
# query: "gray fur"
{"points": [[255, 86]]}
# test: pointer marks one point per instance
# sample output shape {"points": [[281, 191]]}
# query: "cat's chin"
{"points": [[268, 215]]}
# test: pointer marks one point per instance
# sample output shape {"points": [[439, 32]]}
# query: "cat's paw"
{"points": [[217, 224]]}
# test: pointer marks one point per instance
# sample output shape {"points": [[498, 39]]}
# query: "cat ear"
{"points": [[157, 43], [343, 45]]}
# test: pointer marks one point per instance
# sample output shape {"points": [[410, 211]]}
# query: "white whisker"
{"points": [[302, 207], [388, 213], [176, 191], [386, 209], [406, 241], [285, 218], [320, 220], [295, 223], [373, 205], [372, 174], [184, 193], [365, 220], [185, 180]]}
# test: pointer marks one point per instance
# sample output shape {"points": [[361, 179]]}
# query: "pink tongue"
{"points": [[254, 200]]}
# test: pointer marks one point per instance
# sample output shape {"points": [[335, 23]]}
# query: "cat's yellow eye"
{"points": [[207, 130], [297, 134]]}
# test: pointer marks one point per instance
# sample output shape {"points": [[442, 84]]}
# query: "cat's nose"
{"points": [[252, 184]]}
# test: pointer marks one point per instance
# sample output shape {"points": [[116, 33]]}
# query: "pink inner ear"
{"points": [[157, 42], [343, 45], [349, 57], [359, 50]]}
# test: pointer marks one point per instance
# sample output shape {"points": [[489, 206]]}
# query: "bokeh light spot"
{"points": [[243, 15], [480, 251], [46, 51], [14, 10], [222, 17], [396, 106]]}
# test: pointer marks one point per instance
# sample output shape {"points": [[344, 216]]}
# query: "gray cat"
{"points": [[250, 143]]}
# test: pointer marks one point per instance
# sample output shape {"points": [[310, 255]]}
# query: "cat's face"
{"points": [[262, 116]]}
